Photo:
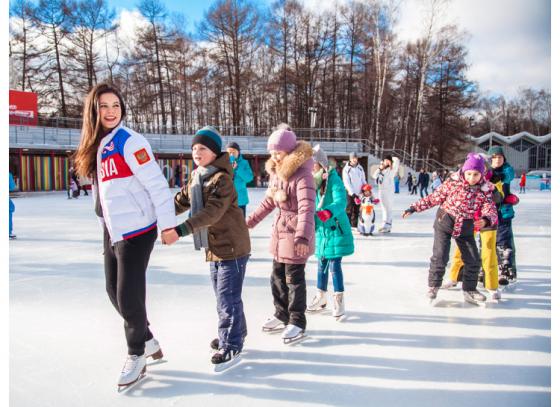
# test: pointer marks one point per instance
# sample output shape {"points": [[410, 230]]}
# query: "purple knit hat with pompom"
{"points": [[475, 162]]}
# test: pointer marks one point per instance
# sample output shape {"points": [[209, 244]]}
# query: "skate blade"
{"points": [[222, 367], [296, 340], [317, 311], [122, 389], [340, 318], [273, 330], [474, 302], [154, 362]]}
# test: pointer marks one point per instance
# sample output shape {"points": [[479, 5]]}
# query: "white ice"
{"points": [[67, 343]]}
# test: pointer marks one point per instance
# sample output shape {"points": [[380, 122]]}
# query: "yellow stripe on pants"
{"points": [[488, 256]]}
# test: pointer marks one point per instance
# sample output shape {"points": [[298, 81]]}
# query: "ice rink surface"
{"points": [[67, 343]]}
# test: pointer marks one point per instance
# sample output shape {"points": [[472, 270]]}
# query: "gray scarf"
{"points": [[197, 204]]}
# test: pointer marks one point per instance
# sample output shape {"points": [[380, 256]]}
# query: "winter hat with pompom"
{"points": [[475, 162], [282, 139]]}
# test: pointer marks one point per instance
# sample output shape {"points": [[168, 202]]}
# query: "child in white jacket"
{"points": [[384, 175]]}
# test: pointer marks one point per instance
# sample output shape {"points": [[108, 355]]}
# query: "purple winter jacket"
{"points": [[291, 189]]}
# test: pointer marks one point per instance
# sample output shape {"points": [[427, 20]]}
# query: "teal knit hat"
{"points": [[496, 150], [210, 137]]}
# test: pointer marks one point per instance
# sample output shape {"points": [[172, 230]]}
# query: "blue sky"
{"points": [[193, 10]]}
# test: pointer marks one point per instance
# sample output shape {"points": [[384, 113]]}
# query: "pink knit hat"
{"points": [[282, 139]]}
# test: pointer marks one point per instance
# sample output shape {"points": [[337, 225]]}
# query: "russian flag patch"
{"points": [[142, 156]]}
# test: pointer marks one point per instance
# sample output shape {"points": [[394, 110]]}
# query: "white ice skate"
{"points": [[494, 296], [293, 334], [449, 285], [338, 306], [385, 229], [153, 351], [272, 325], [474, 297], [133, 371], [319, 302], [432, 295]]}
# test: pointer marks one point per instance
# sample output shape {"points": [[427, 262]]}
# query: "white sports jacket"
{"points": [[133, 193]]}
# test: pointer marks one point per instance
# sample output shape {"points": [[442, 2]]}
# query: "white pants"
{"points": [[386, 199]]}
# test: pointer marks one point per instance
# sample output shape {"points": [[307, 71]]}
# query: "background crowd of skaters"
{"points": [[314, 212]]}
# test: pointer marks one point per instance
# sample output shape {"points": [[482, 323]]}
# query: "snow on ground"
{"points": [[67, 343]]}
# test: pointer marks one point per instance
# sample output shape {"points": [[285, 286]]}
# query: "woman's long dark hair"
{"points": [[92, 132]]}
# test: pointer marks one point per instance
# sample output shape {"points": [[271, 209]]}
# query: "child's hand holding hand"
{"points": [[408, 212], [479, 224]]}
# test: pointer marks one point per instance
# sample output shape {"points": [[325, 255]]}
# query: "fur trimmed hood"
{"points": [[292, 162]]}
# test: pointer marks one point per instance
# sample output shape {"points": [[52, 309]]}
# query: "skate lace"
{"points": [[130, 364]]}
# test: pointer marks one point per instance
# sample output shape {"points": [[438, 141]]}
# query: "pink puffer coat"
{"points": [[291, 189]]}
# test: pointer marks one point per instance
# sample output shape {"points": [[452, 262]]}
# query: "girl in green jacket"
{"points": [[333, 233]]}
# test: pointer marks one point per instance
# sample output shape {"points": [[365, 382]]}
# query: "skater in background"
{"points": [[488, 255], [397, 180], [124, 170], [73, 183], [423, 182], [461, 197], [74, 189], [333, 235], [354, 177], [522, 183], [291, 189], [242, 174], [177, 176], [217, 224], [436, 181], [366, 223], [409, 183], [384, 175], [502, 175], [13, 187], [414, 190], [85, 183]]}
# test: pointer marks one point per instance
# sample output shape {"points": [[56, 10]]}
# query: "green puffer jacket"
{"points": [[334, 237]]}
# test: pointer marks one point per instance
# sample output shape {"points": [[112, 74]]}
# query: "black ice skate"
{"points": [[225, 359]]}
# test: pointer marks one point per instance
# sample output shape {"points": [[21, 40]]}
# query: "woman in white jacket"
{"points": [[132, 199], [385, 175]]}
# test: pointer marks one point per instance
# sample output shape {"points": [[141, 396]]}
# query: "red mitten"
{"points": [[324, 215], [375, 201], [357, 201], [511, 199]]}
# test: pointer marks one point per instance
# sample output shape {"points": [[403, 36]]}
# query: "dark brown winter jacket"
{"points": [[228, 236]]}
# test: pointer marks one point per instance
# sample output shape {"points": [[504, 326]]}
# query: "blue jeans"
{"points": [[227, 280], [12, 209], [334, 266]]}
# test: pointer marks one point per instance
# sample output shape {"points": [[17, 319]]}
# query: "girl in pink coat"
{"points": [[291, 189]]}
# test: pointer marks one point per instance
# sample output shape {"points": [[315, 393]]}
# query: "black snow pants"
{"points": [[125, 280], [443, 229]]}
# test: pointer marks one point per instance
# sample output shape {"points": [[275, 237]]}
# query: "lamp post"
{"points": [[312, 118]]}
